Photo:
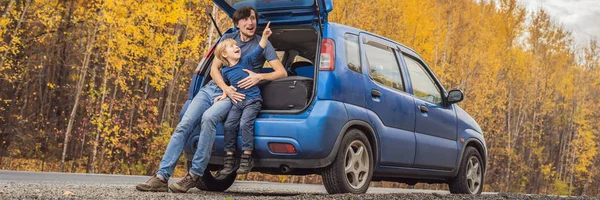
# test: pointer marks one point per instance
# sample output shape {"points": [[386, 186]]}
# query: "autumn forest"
{"points": [[96, 86]]}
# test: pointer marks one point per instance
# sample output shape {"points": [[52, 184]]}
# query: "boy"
{"points": [[243, 113]]}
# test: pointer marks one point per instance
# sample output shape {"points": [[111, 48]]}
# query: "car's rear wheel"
{"points": [[352, 170], [470, 175], [212, 181]]}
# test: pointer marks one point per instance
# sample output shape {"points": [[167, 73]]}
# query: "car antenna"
{"points": [[215, 24]]}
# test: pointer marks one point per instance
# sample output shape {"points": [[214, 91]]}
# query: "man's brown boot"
{"points": [[154, 184], [189, 181]]}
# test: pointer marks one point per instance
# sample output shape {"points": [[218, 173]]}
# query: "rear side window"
{"points": [[423, 85], [352, 52], [383, 65]]}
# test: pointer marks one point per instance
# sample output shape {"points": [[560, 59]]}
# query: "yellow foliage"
{"points": [[560, 188], [534, 95]]}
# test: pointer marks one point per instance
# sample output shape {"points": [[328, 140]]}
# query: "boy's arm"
{"points": [[215, 73]]}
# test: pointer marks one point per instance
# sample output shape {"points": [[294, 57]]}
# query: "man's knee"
{"points": [[211, 118], [178, 136]]}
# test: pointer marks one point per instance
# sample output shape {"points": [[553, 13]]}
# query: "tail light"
{"points": [[282, 148], [206, 55], [327, 55], [210, 51]]}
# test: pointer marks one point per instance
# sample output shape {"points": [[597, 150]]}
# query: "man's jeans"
{"points": [[201, 110], [242, 116]]}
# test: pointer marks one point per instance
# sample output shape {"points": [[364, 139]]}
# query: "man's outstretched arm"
{"points": [[253, 78], [278, 71]]}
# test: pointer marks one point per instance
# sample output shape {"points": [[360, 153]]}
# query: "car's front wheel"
{"points": [[352, 170], [213, 181], [470, 175]]}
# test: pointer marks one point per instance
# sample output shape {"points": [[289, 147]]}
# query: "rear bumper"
{"points": [[314, 133], [280, 162]]}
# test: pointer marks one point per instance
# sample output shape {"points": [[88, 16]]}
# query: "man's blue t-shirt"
{"points": [[268, 54], [234, 74]]}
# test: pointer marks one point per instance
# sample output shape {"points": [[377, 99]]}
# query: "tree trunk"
{"points": [[63, 70], [175, 119], [8, 7], [571, 176], [74, 168], [14, 33], [212, 28], [98, 129], [80, 84], [181, 33], [101, 161], [509, 146]]}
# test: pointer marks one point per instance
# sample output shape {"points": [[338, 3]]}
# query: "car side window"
{"points": [[352, 52], [383, 65], [423, 85]]}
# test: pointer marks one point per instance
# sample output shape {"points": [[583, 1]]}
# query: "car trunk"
{"points": [[296, 26], [294, 93]]}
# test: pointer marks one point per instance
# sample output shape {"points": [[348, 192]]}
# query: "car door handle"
{"points": [[423, 108], [375, 93]]}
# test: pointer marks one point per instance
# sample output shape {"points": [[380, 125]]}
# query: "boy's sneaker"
{"points": [[154, 184], [228, 165], [246, 164], [188, 182]]}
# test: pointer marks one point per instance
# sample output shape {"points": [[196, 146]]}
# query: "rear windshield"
{"points": [[270, 4]]}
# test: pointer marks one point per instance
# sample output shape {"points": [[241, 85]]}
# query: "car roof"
{"points": [[340, 28]]}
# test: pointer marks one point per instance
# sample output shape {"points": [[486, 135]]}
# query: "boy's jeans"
{"points": [[242, 116], [201, 110]]}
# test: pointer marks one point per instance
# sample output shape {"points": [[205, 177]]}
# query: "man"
{"points": [[209, 110]]}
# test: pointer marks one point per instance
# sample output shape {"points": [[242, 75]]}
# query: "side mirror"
{"points": [[455, 96]]}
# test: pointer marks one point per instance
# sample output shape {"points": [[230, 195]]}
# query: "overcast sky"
{"points": [[581, 17]]}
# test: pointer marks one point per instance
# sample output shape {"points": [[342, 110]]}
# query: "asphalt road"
{"points": [[48, 185]]}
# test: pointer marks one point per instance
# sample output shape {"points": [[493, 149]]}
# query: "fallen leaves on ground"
{"points": [[68, 193]]}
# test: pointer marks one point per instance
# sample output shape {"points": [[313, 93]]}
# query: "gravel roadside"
{"points": [[53, 190]]}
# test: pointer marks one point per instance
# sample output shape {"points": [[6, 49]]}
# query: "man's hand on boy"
{"points": [[233, 95], [252, 79], [219, 98]]}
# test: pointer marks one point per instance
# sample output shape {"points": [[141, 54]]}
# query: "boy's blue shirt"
{"points": [[234, 74], [269, 53]]}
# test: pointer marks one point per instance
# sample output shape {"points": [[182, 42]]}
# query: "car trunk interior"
{"points": [[297, 49]]}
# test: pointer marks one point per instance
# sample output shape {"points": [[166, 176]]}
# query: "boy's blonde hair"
{"points": [[220, 50]]}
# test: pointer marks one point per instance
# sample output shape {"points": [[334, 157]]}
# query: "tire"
{"points": [[357, 177], [469, 179], [216, 183]]}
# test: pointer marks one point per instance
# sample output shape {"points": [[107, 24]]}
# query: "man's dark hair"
{"points": [[243, 13]]}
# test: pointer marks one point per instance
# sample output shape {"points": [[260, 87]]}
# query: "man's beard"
{"points": [[248, 36]]}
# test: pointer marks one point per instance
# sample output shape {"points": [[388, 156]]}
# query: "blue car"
{"points": [[376, 111]]}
